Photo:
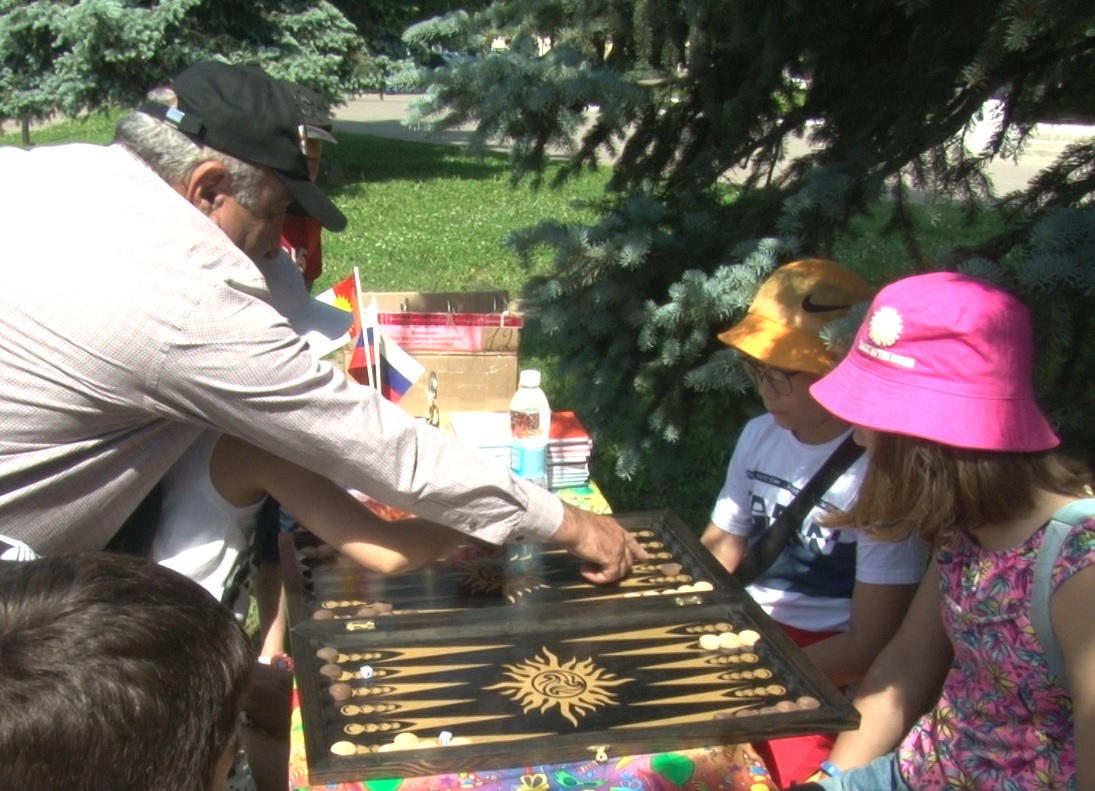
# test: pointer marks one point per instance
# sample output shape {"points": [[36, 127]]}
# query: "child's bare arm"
{"points": [[727, 548], [240, 470], [877, 611], [1074, 628], [902, 683]]}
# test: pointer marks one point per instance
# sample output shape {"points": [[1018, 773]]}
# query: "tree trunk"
{"points": [[24, 122]]}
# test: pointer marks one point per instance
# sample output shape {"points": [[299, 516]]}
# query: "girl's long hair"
{"points": [[915, 485]]}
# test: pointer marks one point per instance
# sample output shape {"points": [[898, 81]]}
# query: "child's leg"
{"points": [[796, 758], [269, 595], [879, 775], [266, 588]]}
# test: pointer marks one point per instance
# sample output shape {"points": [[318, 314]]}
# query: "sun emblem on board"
{"points": [[492, 576], [885, 327], [483, 576], [575, 687]]}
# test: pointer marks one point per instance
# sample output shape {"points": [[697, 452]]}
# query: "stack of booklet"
{"points": [[569, 449], [569, 446]]}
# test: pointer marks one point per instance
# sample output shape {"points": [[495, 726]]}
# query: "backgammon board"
{"points": [[496, 659]]}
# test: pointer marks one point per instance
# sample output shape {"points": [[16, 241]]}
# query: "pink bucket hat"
{"points": [[945, 357]]}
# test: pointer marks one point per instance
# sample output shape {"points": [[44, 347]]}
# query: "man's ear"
{"points": [[209, 184]]}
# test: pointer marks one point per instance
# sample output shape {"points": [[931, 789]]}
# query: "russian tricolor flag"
{"points": [[398, 370]]}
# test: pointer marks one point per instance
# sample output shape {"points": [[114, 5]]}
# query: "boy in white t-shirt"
{"points": [[840, 595]]}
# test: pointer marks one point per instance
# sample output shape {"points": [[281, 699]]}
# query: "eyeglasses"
{"points": [[776, 378]]}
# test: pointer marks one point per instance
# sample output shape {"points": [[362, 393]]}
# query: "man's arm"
{"points": [[265, 388]]}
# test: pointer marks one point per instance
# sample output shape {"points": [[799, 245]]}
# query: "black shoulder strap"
{"points": [[765, 551]]}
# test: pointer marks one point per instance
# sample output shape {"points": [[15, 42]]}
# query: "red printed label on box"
{"points": [[436, 337]]}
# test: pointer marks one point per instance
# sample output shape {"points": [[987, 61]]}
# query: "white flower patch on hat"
{"points": [[885, 327]]}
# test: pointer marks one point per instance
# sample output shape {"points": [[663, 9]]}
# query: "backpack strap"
{"points": [[1057, 530], [780, 533]]}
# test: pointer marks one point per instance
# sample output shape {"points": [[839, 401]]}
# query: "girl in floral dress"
{"points": [[938, 382]]}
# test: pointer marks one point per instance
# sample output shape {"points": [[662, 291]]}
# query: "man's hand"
{"points": [[600, 540]]}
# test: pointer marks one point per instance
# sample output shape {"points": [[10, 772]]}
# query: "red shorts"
{"points": [[795, 758]]}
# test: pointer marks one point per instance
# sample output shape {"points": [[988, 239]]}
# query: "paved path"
{"points": [[373, 115]]}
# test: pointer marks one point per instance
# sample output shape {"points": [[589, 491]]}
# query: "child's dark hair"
{"points": [[115, 673], [915, 485]]}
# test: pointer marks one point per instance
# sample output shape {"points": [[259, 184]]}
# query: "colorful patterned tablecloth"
{"points": [[588, 497], [724, 768], [727, 768]]}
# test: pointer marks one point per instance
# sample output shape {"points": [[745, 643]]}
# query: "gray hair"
{"points": [[173, 156]]}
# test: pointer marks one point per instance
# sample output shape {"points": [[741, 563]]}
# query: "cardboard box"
{"points": [[465, 381], [440, 301], [475, 359]]}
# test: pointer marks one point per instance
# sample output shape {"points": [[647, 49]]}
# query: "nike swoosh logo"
{"points": [[810, 306]]}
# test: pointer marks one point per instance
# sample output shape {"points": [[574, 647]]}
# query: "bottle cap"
{"points": [[530, 377]]}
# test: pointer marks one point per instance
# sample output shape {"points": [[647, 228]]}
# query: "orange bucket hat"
{"points": [[784, 323]]}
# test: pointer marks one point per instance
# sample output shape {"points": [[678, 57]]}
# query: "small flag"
{"points": [[344, 294], [376, 360], [369, 315], [363, 353], [398, 370]]}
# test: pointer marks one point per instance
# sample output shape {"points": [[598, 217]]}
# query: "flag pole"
{"points": [[367, 343], [373, 312]]}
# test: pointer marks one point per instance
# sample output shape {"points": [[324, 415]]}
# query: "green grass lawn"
{"points": [[429, 218], [94, 128]]}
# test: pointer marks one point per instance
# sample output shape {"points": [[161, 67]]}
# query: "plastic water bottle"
{"points": [[529, 423]]}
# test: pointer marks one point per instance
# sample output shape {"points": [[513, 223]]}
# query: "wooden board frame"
{"points": [[433, 667]]}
